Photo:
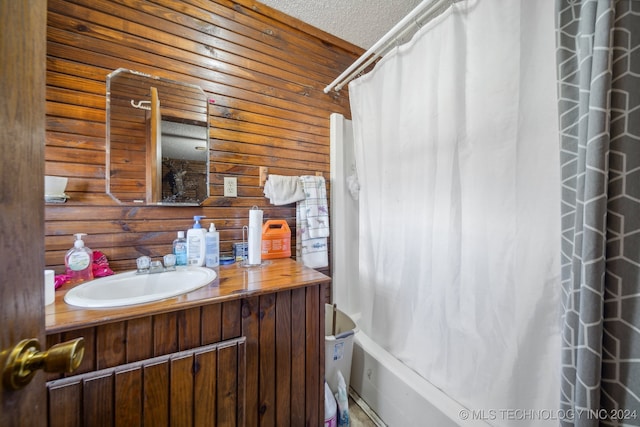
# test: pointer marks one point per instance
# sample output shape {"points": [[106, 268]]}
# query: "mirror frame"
{"points": [[145, 160]]}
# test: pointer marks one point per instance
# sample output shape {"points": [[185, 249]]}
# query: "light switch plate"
{"points": [[230, 186]]}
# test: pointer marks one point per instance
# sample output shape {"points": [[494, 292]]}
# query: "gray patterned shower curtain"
{"points": [[598, 53]]}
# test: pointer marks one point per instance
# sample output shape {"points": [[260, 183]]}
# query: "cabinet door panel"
{"points": [[110, 345], [211, 326], [231, 315], [203, 386], [156, 394], [189, 328], [182, 391], [267, 357], [128, 398], [227, 391], [97, 401], [283, 359], [165, 333], [64, 404], [250, 329], [298, 337], [139, 339], [315, 383]]}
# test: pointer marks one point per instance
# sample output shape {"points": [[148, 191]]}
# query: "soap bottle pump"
{"points": [[212, 247], [196, 243], [79, 261]]}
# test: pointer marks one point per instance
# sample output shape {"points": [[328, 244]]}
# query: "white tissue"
{"points": [[255, 237]]}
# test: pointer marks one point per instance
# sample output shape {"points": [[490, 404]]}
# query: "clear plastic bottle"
{"points": [[79, 261], [212, 247], [180, 249]]}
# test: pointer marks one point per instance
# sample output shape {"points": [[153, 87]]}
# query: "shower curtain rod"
{"points": [[387, 41]]}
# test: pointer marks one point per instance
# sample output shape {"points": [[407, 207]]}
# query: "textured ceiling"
{"points": [[361, 22]]}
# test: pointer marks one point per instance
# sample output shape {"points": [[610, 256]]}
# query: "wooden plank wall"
{"points": [[265, 71]]}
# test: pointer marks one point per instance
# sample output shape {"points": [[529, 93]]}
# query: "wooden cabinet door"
{"points": [[199, 387]]}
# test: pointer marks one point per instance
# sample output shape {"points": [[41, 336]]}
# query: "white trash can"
{"points": [[338, 347]]}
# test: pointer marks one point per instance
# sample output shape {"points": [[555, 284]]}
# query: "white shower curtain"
{"points": [[457, 155]]}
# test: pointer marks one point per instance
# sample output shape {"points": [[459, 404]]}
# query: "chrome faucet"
{"points": [[147, 266]]}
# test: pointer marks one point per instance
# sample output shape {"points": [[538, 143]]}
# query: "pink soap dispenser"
{"points": [[79, 261]]}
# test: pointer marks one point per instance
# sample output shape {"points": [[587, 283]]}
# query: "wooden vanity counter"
{"points": [[232, 282], [247, 349]]}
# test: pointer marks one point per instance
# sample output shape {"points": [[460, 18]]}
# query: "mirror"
{"points": [[157, 140]]}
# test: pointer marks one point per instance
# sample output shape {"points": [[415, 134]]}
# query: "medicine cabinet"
{"points": [[157, 140]]}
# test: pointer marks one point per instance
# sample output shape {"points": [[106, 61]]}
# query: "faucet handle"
{"points": [[169, 262], [143, 263]]}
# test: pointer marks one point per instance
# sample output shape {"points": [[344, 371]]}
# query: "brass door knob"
{"points": [[26, 358]]}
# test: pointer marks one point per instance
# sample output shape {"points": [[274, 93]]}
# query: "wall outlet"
{"points": [[230, 186]]}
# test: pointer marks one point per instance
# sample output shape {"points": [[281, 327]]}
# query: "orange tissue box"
{"points": [[276, 239]]}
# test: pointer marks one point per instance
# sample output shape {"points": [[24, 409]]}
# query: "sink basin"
{"points": [[130, 288]]}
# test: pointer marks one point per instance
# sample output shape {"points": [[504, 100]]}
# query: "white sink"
{"points": [[130, 288]]}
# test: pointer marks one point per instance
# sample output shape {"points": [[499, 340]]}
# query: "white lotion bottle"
{"points": [[212, 247], [196, 243]]}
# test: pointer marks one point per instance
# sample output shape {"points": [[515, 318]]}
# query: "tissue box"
{"points": [[276, 239]]}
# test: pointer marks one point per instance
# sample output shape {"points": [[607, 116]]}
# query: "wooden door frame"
{"points": [[22, 138]]}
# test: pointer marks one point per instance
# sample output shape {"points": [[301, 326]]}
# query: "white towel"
{"points": [[314, 206], [313, 253], [282, 190], [312, 223]]}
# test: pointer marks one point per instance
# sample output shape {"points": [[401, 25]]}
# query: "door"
{"points": [[22, 134]]}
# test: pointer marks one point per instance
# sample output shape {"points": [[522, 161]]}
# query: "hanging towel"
{"points": [[316, 209], [313, 253], [312, 223], [282, 190]]}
